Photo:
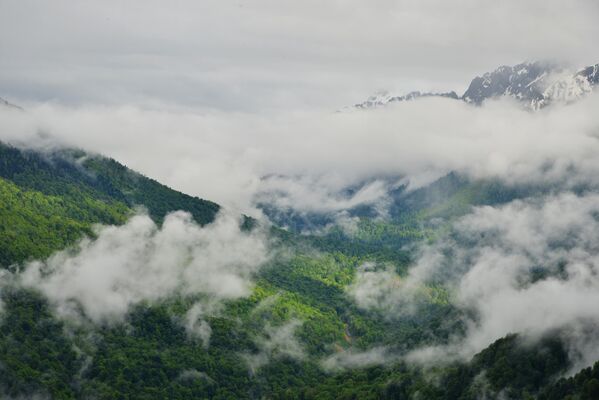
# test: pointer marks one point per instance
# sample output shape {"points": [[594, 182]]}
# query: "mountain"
{"points": [[569, 88], [321, 317], [535, 84], [384, 98], [522, 82], [4, 103], [51, 198], [287, 339]]}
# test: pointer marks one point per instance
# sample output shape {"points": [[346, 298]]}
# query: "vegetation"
{"points": [[49, 200], [582, 386]]}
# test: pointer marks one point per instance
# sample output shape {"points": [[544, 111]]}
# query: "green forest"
{"points": [[49, 201]]}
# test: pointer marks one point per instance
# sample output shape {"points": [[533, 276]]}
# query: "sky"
{"points": [[264, 56]]}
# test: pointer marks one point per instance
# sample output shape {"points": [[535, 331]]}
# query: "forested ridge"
{"points": [[50, 200]]}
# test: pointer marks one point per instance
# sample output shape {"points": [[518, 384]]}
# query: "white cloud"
{"points": [[318, 193], [379, 289], [529, 267], [138, 261], [194, 375], [195, 324], [306, 160], [275, 343], [359, 359]]}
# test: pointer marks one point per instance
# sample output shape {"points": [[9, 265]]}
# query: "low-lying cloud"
{"points": [[350, 359], [276, 342], [529, 267], [196, 326], [138, 262], [307, 161]]}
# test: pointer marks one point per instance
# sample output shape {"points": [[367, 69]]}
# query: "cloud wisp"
{"points": [[351, 359], [276, 342]]}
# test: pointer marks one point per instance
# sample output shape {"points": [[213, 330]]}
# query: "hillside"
{"points": [[272, 200], [51, 199], [293, 336]]}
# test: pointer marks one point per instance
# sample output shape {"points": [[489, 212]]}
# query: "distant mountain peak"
{"points": [[5, 103], [535, 84], [383, 98], [522, 81]]}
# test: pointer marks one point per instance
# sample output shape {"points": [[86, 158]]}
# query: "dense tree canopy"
{"points": [[50, 200]]}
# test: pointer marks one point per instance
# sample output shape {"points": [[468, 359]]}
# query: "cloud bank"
{"points": [[529, 267], [308, 160], [140, 262]]}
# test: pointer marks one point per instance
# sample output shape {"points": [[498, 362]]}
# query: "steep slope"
{"points": [[48, 199], [33, 224], [522, 82], [272, 343], [582, 386]]}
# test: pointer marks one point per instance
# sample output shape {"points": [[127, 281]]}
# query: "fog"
{"points": [[306, 160], [528, 267], [100, 279], [276, 342], [248, 104]]}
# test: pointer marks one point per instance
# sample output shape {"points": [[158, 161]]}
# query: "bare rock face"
{"points": [[523, 82]]}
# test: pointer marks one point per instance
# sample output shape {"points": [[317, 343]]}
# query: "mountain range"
{"points": [[4, 103], [115, 286], [288, 339], [535, 84]]}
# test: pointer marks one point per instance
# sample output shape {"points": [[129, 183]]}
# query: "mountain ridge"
{"points": [[6, 103], [535, 84], [79, 190], [151, 355]]}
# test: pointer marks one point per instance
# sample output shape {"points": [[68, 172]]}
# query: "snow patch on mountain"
{"points": [[565, 89], [382, 98]]}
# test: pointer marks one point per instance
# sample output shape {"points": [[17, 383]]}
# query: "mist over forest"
{"points": [[269, 200]]}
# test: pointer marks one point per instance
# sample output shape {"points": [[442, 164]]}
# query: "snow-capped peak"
{"points": [[535, 84]]}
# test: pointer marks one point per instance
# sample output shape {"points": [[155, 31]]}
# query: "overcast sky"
{"points": [[265, 55]]}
